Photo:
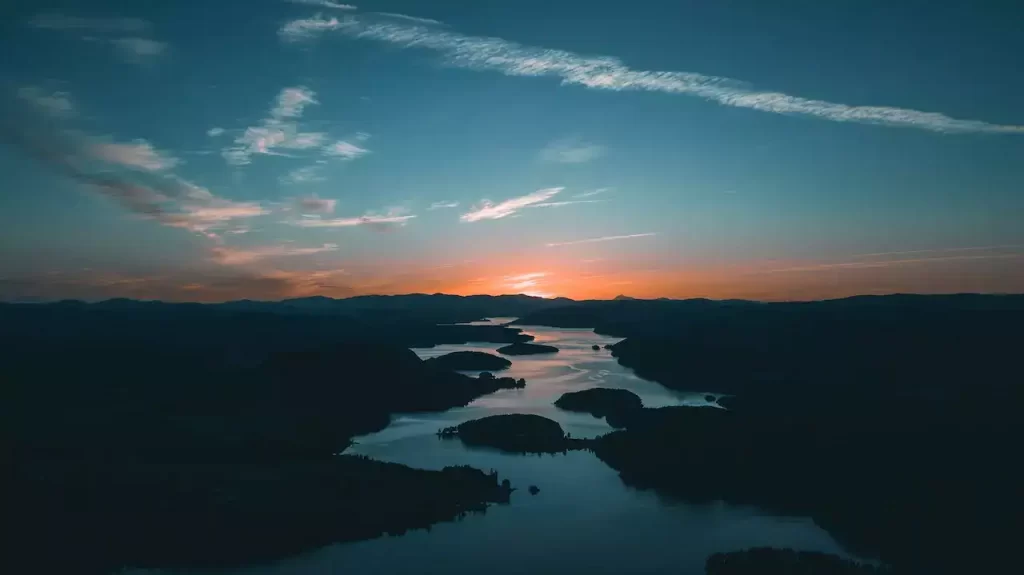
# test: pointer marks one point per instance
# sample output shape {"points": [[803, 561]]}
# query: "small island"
{"points": [[469, 361], [512, 433], [600, 401], [595, 347], [526, 349], [767, 560]]}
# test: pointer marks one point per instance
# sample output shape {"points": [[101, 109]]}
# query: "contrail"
{"points": [[601, 239]]}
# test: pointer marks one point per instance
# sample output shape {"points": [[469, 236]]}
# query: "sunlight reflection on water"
{"points": [[583, 520]]}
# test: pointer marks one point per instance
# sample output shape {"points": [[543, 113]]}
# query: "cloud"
{"points": [[443, 205], [393, 217], [940, 250], [571, 152], [54, 103], [407, 18], [139, 154], [375, 220], [601, 239], [279, 130], [62, 22], [138, 49], [884, 263], [239, 256], [566, 203], [345, 150], [304, 175], [523, 281], [292, 101], [315, 205], [306, 28], [487, 210], [136, 176], [610, 73], [127, 42], [324, 4], [214, 132], [592, 193]]}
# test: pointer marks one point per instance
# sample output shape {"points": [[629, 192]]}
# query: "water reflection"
{"points": [[583, 520]]}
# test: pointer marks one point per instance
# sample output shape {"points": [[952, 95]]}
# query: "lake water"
{"points": [[583, 520]]}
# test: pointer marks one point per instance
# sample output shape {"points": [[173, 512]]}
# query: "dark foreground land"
{"points": [[147, 434], [893, 422]]}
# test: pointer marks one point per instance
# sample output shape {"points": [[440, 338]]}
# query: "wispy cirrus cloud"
{"points": [[487, 210], [592, 193], [524, 281], [442, 205], [393, 217], [280, 130], [136, 176], [307, 28], [571, 151], [121, 33], [600, 239], [407, 18], [57, 104], [138, 50], [345, 150], [304, 175], [64, 22], [610, 73], [315, 205], [324, 4], [215, 132], [565, 203], [883, 259], [242, 256], [139, 154]]}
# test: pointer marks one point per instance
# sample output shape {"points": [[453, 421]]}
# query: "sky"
{"points": [[269, 149]]}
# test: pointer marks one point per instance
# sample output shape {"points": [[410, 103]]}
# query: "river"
{"points": [[583, 520]]}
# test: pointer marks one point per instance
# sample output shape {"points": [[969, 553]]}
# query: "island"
{"points": [[512, 433], [595, 347], [600, 401], [526, 349], [770, 561], [469, 361]]}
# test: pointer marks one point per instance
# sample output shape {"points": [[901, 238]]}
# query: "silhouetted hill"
{"points": [[432, 308], [626, 318]]}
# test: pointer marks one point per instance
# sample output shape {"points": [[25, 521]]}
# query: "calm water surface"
{"points": [[583, 520]]}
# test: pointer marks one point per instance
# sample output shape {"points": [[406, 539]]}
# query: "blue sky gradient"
{"points": [[268, 149]]}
